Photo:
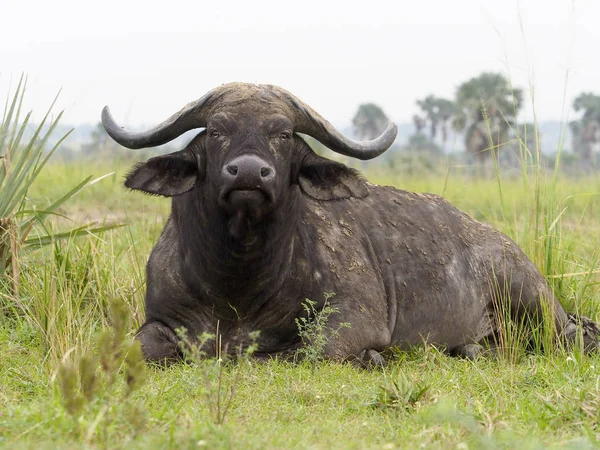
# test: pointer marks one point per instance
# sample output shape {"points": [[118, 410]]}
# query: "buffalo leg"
{"points": [[159, 342], [468, 351], [582, 330], [532, 301], [370, 358], [346, 345]]}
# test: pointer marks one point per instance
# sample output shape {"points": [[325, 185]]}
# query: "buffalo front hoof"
{"points": [[468, 351], [159, 343], [370, 359]]}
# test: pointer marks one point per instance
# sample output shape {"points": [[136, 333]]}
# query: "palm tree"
{"points": [[487, 107], [585, 130], [437, 111], [446, 110], [370, 121], [419, 123], [429, 108]]}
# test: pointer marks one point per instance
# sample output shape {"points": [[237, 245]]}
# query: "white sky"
{"points": [[146, 62]]}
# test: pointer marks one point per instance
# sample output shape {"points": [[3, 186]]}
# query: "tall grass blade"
{"points": [[20, 165], [41, 241]]}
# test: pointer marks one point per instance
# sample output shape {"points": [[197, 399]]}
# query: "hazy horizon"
{"points": [[146, 64]]}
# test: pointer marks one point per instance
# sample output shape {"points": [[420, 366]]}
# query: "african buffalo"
{"points": [[260, 222]]}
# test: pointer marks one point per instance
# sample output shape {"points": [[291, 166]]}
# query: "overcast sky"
{"points": [[147, 62]]}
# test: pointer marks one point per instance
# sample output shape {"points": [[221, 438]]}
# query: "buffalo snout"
{"points": [[248, 179], [248, 171]]}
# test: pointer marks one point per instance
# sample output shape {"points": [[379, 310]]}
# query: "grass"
{"points": [[24, 225], [423, 398]]}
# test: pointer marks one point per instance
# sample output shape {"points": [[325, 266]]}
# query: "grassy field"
{"points": [[422, 399]]}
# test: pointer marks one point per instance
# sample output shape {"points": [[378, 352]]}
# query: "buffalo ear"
{"points": [[166, 175], [323, 179]]}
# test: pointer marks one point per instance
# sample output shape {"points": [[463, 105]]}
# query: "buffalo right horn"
{"points": [[190, 117]]}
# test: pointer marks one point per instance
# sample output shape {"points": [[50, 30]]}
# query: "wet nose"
{"points": [[248, 172]]}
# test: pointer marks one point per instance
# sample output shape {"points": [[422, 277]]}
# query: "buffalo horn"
{"points": [[188, 118], [309, 122]]}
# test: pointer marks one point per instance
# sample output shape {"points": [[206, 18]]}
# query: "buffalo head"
{"points": [[249, 153]]}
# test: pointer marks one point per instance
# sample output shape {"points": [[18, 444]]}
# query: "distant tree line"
{"points": [[485, 109]]}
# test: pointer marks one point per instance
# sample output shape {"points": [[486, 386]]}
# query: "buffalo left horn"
{"points": [[309, 122]]}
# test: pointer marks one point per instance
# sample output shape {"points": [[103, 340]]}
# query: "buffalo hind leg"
{"points": [[159, 343], [543, 306], [581, 330]]}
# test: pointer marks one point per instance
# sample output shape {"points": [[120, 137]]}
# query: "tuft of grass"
{"points": [[400, 393], [66, 292]]}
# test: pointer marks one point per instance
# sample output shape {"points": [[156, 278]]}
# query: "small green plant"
{"points": [[400, 394], [221, 373], [91, 387], [314, 331]]}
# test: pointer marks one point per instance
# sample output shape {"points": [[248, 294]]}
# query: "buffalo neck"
{"points": [[241, 272]]}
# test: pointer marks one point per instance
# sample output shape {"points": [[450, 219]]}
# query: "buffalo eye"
{"points": [[285, 136], [215, 134]]}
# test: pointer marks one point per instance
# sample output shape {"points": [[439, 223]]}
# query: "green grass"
{"points": [[423, 398]]}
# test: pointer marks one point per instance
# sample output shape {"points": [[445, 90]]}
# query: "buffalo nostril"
{"points": [[233, 170], [265, 171]]}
